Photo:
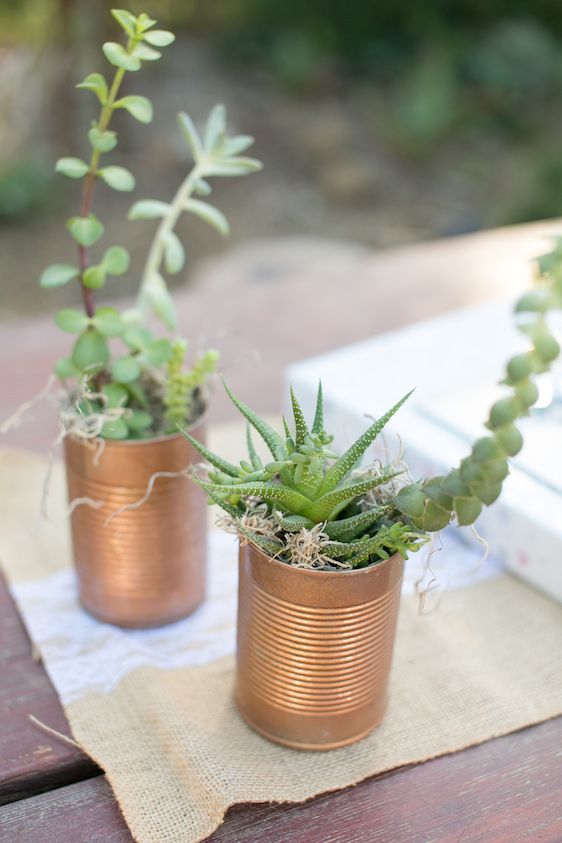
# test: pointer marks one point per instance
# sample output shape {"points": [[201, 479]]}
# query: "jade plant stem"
{"points": [[167, 225], [90, 180]]}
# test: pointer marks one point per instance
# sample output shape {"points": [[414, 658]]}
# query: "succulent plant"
{"points": [[128, 392], [311, 507]]}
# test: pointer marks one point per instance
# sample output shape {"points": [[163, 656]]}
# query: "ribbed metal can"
{"points": [[314, 649], [144, 565]]}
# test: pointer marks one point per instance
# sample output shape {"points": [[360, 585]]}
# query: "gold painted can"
{"points": [[144, 565], [314, 649]]}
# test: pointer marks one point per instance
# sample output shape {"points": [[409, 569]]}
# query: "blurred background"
{"points": [[383, 123]]}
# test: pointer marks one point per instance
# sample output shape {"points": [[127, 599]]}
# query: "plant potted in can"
{"points": [[138, 529], [323, 544]]}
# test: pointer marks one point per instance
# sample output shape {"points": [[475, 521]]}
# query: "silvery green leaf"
{"points": [[119, 57], [209, 214], [102, 141], [94, 277], [57, 275], [191, 136], [233, 146], [148, 209], [158, 297], [233, 167], [108, 322], [126, 20], [74, 168], [202, 188], [138, 107], [71, 321], [214, 127], [145, 53], [85, 230], [116, 260], [160, 38], [95, 82], [145, 22], [119, 178], [174, 253]]}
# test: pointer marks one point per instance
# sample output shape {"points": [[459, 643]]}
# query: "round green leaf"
{"points": [[102, 141], [160, 37], [119, 57], [71, 321], [115, 430], [90, 352], [65, 368], [116, 260], [174, 253], [137, 337], [95, 82], [139, 420], [126, 369], [145, 53], [94, 277], [159, 352], [126, 20], [145, 22], [148, 209], [85, 230], [74, 168], [116, 394], [58, 274], [108, 322], [138, 107], [118, 178]]}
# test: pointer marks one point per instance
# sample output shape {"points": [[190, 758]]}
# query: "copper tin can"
{"points": [[146, 565], [314, 649]]}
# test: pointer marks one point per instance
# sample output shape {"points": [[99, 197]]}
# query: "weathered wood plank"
{"points": [[506, 790], [30, 760]]}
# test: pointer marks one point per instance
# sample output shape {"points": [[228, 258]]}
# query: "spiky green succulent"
{"points": [[307, 484], [360, 514]]}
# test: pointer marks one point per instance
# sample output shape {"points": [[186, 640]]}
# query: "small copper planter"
{"points": [[314, 649], [146, 566]]}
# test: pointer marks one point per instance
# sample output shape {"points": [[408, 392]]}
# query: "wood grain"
{"points": [[30, 760], [507, 791]]}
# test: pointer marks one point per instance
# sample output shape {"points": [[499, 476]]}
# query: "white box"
{"points": [[455, 363]]}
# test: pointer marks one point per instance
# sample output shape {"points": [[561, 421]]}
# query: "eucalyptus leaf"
{"points": [[102, 141], [119, 178], [58, 275], [119, 57], [126, 369], [191, 136], [108, 322], [85, 230], [90, 353], [71, 321], [138, 107], [148, 209], [116, 260], [96, 82], [209, 214], [94, 277], [74, 168], [160, 38], [174, 253]]}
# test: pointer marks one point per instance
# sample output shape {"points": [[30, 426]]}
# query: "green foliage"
{"points": [[141, 389], [307, 485]]}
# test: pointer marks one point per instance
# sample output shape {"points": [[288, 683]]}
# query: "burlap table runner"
{"points": [[154, 708]]}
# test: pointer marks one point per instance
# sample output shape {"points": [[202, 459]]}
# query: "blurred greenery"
{"points": [[435, 76]]}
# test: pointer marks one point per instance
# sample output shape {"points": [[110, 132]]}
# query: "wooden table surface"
{"points": [[504, 791]]}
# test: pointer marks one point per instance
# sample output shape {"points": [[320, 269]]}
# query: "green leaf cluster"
{"points": [[306, 484]]}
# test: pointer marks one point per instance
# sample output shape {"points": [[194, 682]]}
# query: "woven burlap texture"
{"points": [[486, 663]]}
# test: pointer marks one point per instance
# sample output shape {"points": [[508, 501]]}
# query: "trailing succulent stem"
{"points": [[477, 482]]}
